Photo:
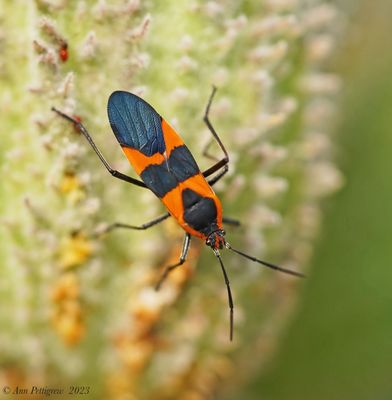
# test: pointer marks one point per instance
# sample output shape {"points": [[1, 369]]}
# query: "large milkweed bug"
{"points": [[167, 168]]}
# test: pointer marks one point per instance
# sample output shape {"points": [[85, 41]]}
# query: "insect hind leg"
{"points": [[80, 127]]}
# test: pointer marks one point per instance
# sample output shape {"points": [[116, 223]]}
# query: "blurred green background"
{"points": [[339, 345]]}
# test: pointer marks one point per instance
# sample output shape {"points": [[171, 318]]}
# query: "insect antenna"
{"points": [[229, 296], [265, 263]]}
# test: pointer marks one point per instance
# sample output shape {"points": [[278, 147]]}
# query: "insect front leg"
{"points": [[145, 226], [184, 253], [231, 221]]}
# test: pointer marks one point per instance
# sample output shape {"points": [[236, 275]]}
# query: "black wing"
{"points": [[135, 123]]}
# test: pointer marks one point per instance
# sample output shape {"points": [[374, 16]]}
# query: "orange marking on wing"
{"points": [[173, 201], [171, 137], [139, 161]]}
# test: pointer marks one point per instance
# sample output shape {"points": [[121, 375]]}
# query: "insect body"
{"points": [[167, 168], [63, 51]]}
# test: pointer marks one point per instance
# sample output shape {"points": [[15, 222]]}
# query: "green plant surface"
{"points": [[339, 345]]}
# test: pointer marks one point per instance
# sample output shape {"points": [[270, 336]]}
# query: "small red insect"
{"points": [[167, 168], [63, 51]]}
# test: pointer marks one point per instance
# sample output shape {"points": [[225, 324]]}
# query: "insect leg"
{"points": [[231, 221], [207, 154], [216, 178], [184, 253], [206, 119], [85, 133], [147, 225]]}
